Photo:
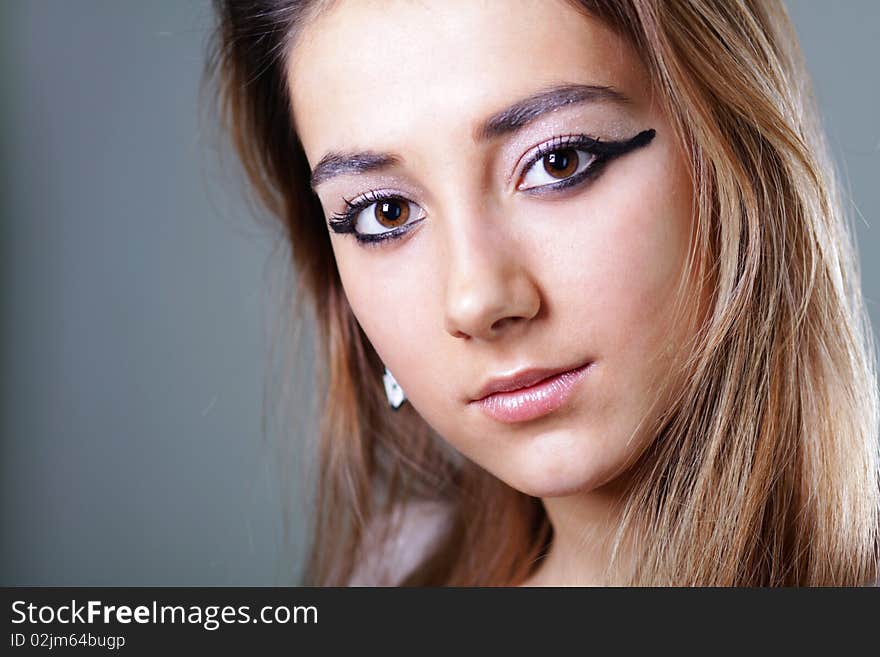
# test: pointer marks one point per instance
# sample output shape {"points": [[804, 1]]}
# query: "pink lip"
{"points": [[530, 400]]}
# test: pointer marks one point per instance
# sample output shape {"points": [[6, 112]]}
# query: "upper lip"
{"points": [[521, 379]]}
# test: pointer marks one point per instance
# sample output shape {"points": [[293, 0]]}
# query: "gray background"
{"points": [[140, 299]]}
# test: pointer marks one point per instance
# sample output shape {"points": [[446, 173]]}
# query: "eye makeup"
{"points": [[346, 221], [602, 152]]}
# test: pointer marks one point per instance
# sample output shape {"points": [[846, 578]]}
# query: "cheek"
{"points": [[638, 247], [638, 266], [388, 296]]}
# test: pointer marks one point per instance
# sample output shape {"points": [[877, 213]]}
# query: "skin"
{"points": [[495, 280]]}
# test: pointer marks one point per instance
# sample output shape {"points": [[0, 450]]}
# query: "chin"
{"points": [[547, 489], [561, 473]]}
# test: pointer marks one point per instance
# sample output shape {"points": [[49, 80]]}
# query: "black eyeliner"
{"points": [[591, 171], [344, 222], [605, 152], [341, 225], [615, 148], [375, 239]]}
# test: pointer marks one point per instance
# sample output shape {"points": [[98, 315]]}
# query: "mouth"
{"points": [[529, 394]]}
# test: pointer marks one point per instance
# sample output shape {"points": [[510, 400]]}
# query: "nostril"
{"points": [[501, 323]]}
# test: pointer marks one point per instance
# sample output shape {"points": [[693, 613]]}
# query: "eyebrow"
{"points": [[507, 121]]}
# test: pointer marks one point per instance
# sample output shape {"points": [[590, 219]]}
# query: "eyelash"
{"points": [[591, 145], [603, 152], [344, 222]]}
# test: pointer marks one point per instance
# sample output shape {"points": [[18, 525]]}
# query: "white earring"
{"points": [[393, 391]]}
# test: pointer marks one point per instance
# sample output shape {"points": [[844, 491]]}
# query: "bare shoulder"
{"points": [[411, 532]]}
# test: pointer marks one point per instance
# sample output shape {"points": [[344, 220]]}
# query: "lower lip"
{"points": [[535, 401]]}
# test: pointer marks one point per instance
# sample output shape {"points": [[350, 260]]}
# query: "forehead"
{"points": [[373, 73]]}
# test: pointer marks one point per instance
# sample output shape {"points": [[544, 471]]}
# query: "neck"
{"points": [[584, 528]]}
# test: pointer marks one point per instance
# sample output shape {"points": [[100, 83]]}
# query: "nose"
{"points": [[489, 288]]}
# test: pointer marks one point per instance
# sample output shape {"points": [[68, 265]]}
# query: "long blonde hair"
{"points": [[765, 466]]}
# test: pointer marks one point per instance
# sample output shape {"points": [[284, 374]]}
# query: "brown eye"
{"points": [[392, 213], [561, 163]]}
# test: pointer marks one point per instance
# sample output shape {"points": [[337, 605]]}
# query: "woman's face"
{"points": [[456, 139]]}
